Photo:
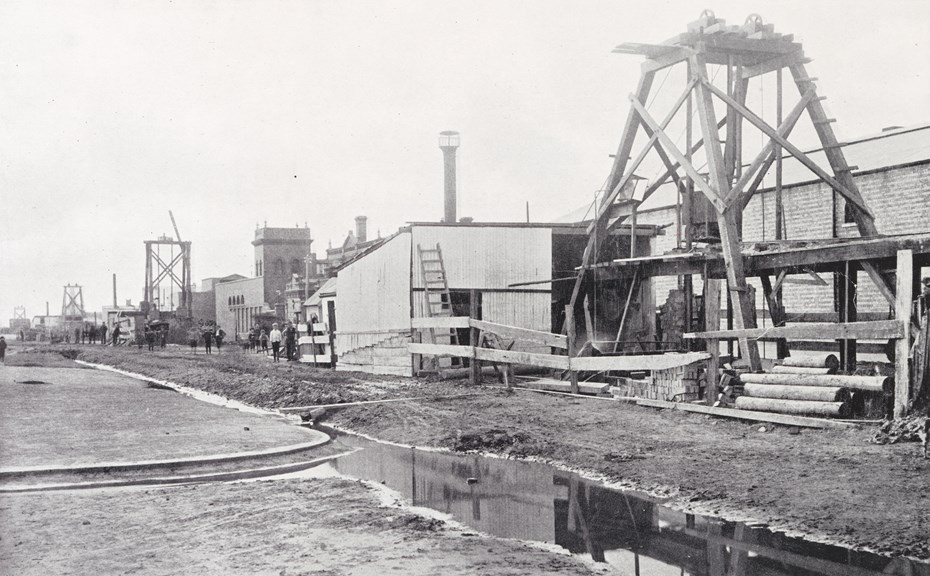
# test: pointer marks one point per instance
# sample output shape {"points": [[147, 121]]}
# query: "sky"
{"points": [[235, 113]]}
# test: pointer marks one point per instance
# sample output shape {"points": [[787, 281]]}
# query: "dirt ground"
{"points": [[323, 527], [832, 486], [86, 407]]}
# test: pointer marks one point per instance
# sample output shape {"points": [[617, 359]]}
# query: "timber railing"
{"points": [[478, 351]]}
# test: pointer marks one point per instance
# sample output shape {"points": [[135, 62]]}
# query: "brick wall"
{"points": [[898, 197]]}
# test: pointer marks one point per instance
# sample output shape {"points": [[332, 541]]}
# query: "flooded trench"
{"points": [[536, 502]]}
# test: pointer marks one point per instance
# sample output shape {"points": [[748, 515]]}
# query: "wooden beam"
{"points": [[726, 220], [474, 372], [734, 196], [712, 321], [773, 64], [560, 386], [660, 181], [636, 363], [616, 173], [852, 196], [659, 62], [615, 191], [671, 149], [865, 383], [546, 338], [880, 330], [902, 313], [440, 350], [440, 322], [785, 419], [528, 358], [776, 309], [571, 340]]}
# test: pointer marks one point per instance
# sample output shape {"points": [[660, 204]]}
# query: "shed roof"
{"points": [[327, 289]]}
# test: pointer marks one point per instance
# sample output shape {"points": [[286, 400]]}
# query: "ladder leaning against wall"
{"points": [[438, 300]]}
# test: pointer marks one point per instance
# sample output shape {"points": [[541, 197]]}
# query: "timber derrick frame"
{"points": [[177, 271], [72, 306], [746, 53]]}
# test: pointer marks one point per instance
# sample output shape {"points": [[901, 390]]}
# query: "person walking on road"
{"points": [[2, 350], [263, 339], [220, 334], [275, 338], [103, 334], [115, 336]]}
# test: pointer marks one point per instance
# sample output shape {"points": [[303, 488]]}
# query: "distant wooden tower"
{"points": [[746, 53], [72, 306]]}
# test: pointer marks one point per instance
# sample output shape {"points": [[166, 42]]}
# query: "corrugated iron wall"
{"points": [[374, 296], [487, 257]]}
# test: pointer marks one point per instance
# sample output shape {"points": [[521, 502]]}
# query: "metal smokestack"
{"points": [[361, 228], [114, 291], [449, 143]]}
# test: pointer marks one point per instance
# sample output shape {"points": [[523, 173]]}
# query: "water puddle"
{"points": [[637, 536]]}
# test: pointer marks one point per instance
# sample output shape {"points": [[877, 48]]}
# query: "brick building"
{"points": [[279, 255]]}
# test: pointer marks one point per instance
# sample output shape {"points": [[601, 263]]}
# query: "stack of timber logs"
{"points": [[808, 365], [820, 394]]}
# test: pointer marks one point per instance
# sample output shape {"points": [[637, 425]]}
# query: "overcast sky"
{"points": [[232, 113]]}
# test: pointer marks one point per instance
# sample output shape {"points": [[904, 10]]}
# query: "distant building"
{"points": [[280, 254], [203, 301], [354, 244]]}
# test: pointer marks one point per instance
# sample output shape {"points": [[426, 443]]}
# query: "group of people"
{"points": [[89, 334], [259, 338], [209, 332]]}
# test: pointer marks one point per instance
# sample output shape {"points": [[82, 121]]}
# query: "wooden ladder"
{"points": [[436, 288]]}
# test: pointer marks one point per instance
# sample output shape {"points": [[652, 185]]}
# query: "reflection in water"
{"points": [[531, 501]]}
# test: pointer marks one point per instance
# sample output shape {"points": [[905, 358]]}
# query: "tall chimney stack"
{"points": [[114, 291], [449, 143], [361, 228]]}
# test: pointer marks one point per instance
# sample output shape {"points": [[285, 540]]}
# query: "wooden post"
{"points": [[712, 322], [776, 311], [588, 323], [846, 301], [475, 373], [331, 321], [570, 337], [902, 313], [633, 232]]}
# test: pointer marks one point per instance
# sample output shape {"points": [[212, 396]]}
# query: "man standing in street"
{"points": [[275, 338], [290, 341]]}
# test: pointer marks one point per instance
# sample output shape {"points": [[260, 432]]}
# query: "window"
{"points": [[229, 300], [279, 266], [849, 213], [295, 266]]}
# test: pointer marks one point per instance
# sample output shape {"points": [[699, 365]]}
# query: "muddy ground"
{"points": [[331, 527], [832, 486]]}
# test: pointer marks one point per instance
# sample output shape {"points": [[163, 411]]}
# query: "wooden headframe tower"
{"points": [[176, 270], [746, 53]]}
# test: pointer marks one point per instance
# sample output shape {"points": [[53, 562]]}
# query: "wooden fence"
{"points": [[478, 351]]}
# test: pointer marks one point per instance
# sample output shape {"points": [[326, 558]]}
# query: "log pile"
{"points": [[808, 386]]}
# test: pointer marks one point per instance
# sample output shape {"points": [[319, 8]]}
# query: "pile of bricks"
{"points": [[675, 384]]}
